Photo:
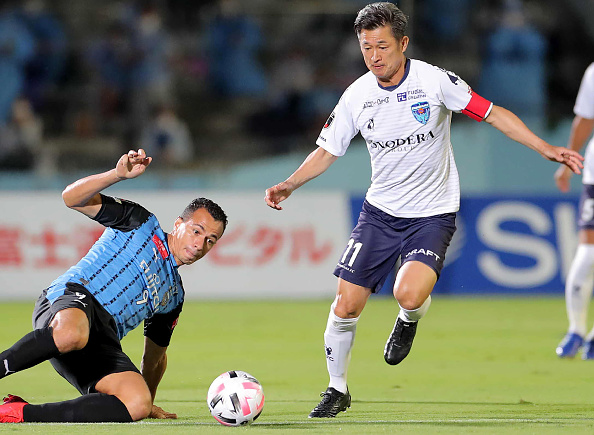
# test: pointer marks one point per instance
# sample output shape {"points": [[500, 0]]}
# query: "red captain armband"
{"points": [[477, 108]]}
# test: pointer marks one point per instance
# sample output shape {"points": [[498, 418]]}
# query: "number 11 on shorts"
{"points": [[356, 247]]}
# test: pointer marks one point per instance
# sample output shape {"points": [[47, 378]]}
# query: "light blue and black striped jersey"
{"points": [[129, 270]]}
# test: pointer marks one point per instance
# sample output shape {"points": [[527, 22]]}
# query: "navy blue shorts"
{"points": [[586, 210], [379, 239]]}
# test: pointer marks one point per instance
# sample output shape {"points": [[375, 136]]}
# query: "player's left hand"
{"points": [[158, 412], [572, 159]]}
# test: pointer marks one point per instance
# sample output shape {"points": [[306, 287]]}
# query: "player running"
{"points": [[578, 287], [129, 276], [402, 108]]}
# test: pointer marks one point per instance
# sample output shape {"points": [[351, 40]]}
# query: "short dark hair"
{"points": [[380, 14], [212, 207]]}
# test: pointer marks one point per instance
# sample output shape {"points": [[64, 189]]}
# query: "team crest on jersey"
{"points": [[329, 121], [421, 112]]}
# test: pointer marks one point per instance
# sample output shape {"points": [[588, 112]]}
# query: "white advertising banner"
{"points": [[263, 254]]}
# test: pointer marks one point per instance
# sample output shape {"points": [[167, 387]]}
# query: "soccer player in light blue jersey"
{"points": [[129, 276]]}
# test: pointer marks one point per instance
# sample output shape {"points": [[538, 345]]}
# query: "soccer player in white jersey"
{"points": [[579, 284], [403, 109]]}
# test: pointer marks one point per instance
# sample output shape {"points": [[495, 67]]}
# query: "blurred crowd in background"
{"points": [[215, 82]]}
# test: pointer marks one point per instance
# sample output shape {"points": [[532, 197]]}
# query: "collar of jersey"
{"points": [[170, 256], [406, 70]]}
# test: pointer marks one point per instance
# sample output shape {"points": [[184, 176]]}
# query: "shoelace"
{"points": [[325, 397]]}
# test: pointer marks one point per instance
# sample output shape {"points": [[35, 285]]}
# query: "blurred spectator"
{"points": [[167, 139], [20, 139], [16, 48], [443, 21], [110, 58], [513, 73], [233, 43], [150, 75], [45, 68], [132, 62], [285, 113]]}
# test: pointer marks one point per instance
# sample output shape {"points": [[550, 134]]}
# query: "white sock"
{"points": [[338, 340], [417, 314], [578, 288]]}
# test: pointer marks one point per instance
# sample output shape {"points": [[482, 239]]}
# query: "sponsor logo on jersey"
{"points": [[414, 94], [422, 251], [421, 112], [370, 125], [404, 144], [160, 247], [329, 121], [377, 102]]}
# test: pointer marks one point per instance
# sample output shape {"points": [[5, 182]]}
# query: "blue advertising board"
{"points": [[506, 245]]}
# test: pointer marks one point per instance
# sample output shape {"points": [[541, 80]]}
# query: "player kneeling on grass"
{"points": [[129, 276], [402, 108]]}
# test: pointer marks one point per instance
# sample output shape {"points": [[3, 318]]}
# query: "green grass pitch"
{"points": [[478, 365]]}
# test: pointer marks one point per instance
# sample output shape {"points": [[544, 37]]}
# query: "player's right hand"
{"points": [[563, 178], [158, 412], [276, 194], [132, 164]]}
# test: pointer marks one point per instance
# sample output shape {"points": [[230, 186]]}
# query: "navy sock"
{"points": [[90, 408], [35, 347]]}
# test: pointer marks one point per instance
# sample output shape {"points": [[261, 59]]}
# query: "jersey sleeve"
{"points": [[121, 214], [159, 328], [584, 103], [339, 129], [458, 97]]}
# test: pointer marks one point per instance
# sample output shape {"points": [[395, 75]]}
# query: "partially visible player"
{"points": [[402, 108], [579, 284], [129, 276]]}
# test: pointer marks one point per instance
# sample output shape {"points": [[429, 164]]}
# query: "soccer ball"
{"points": [[235, 398]]}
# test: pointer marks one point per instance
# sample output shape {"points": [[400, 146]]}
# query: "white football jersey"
{"points": [[407, 132], [584, 107]]}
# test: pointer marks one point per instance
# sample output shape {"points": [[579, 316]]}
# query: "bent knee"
{"points": [[411, 304], [68, 340], [139, 407], [409, 300], [347, 310]]}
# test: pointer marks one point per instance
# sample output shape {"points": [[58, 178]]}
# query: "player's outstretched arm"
{"points": [[581, 129], [314, 164], [83, 195], [510, 125], [152, 367]]}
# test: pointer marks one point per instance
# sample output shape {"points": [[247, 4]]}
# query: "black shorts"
{"points": [[103, 353], [379, 239]]}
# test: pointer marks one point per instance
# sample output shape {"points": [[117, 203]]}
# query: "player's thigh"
{"points": [[423, 254], [372, 250], [414, 283], [131, 388], [350, 299]]}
